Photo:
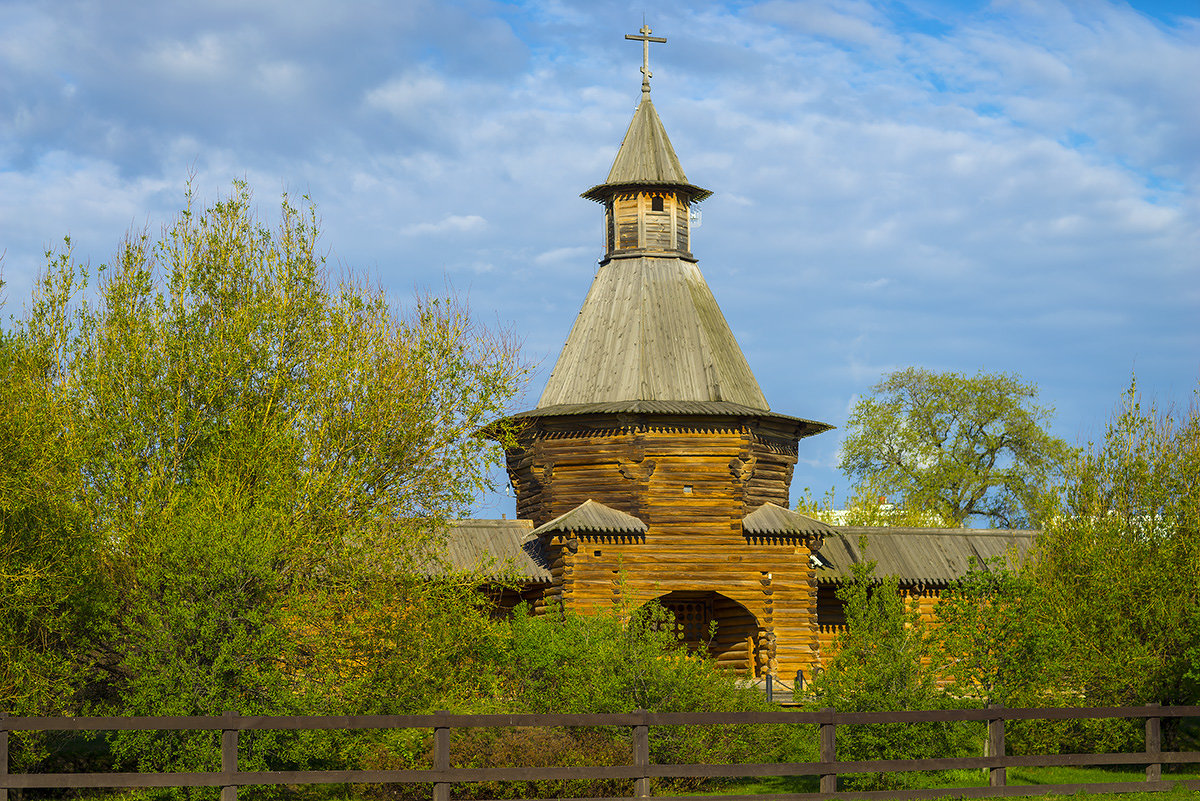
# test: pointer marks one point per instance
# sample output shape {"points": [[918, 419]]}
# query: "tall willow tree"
{"points": [[255, 457]]}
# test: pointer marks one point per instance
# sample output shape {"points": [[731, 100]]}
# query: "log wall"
{"points": [[692, 481], [632, 223], [831, 615]]}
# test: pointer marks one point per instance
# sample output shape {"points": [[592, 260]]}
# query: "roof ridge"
{"points": [[935, 531]]}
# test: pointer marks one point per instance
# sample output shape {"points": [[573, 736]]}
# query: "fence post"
{"points": [[828, 751], [641, 755], [1153, 746], [3, 757], [229, 757], [770, 688], [441, 754], [997, 776]]}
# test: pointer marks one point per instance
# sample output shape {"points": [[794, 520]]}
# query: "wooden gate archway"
{"points": [[735, 642]]}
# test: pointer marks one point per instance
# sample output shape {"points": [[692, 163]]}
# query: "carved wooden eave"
{"points": [[779, 430]]}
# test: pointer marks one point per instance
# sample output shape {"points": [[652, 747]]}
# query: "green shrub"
{"points": [[882, 664], [515, 748]]}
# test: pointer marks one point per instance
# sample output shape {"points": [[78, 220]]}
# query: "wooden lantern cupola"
{"points": [[647, 198]]}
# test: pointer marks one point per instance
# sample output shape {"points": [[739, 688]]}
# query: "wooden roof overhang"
{"points": [[500, 550], [931, 557], [771, 522], [591, 521], [602, 192], [592, 517], [645, 414]]}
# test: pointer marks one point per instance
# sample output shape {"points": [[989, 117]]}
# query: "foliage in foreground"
{"points": [[989, 639], [233, 473], [1120, 567], [224, 461], [1103, 613], [881, 664], [609, 661]]}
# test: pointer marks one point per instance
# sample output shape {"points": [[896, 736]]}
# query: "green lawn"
{"points": [[976, 778]]}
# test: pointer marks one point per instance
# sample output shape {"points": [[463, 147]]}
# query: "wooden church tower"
{"points": [[652, 466]]}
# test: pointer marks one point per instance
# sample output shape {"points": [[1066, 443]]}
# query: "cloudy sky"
{"points": [[1006, 186]]}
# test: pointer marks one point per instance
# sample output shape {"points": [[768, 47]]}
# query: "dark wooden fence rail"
{"points": [[442, 776]]}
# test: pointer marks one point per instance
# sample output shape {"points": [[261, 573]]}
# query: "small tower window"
{"points": [[656, 203]]}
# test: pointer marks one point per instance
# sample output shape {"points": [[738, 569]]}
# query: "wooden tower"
{"points": [[652, 466]]}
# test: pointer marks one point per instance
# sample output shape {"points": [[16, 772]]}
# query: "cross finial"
{"points": [[645, 38]]}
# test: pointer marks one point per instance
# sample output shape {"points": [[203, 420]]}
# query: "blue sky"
{"points": [[1006, 186]]}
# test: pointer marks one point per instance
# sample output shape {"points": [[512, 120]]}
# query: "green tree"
{"points": [[250, 444], [881, 663], [51, 595], [955, 446], [613, 661], [868, 508], [992, 640], [1120, 567], [609, 660]]}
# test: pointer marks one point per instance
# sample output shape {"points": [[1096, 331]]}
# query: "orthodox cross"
{"points": [[646, 39]]}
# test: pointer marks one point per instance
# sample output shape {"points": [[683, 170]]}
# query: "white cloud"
{"points": [[454, 224], [562, 256], [280, 78], [406, 94], [842, 20], [204, 59]]}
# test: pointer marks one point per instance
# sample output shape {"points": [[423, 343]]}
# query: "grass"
{"points": [[976, 778], [810, 784]]}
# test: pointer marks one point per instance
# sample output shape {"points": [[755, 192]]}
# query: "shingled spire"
{"points": [[646, 158], [650, 329]]}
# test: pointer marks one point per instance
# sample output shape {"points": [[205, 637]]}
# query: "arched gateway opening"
{"points": [[736, 642]]}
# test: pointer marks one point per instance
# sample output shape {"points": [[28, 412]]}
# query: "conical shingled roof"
{"points": [[646, 158], [650, 330]]}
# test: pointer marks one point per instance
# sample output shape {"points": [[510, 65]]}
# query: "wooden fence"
{"points": [[641, 770]]}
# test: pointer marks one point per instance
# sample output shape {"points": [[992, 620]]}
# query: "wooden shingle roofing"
{"points": [[650, 330], [918, 555], [496, 548], [773, 520], [646, 158], [595, 517], [513, 548]]}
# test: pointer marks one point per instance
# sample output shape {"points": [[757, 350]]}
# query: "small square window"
{"points": [[656, 203], [687, 489]]}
